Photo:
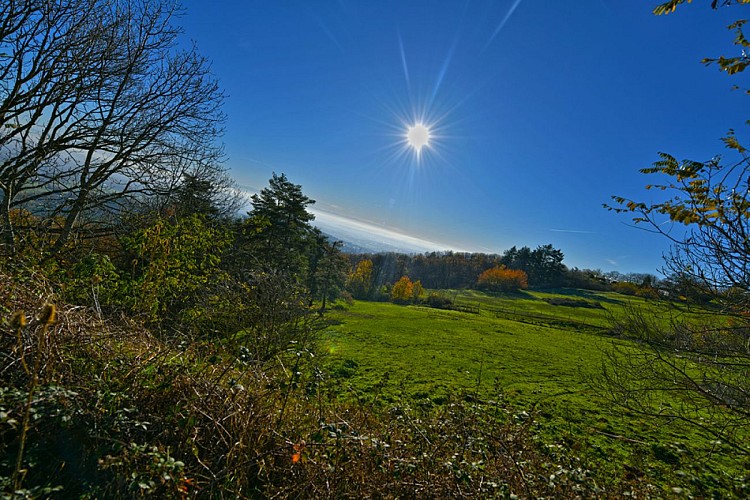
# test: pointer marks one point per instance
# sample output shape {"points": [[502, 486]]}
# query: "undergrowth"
{"points": [[101, 407]]}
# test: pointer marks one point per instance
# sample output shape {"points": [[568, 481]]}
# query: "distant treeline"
{"points": [[543, 265], [455, 270]]}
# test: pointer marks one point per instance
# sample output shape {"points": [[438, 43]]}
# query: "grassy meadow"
{"points": [[519, 343], [537, 357]]}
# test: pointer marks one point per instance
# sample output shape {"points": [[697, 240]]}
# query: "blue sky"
{"points": [[538, 112]]}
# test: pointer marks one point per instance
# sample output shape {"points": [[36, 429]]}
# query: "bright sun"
{"points": [[418, 136]]}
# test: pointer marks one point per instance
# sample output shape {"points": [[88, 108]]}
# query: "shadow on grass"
{"points": [[584, 294], [515, 294]]}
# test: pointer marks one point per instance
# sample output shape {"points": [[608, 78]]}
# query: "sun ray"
{"points": [[424, 116]]}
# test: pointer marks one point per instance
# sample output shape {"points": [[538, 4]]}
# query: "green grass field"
{"points": [[530, 349], [537, 356]]}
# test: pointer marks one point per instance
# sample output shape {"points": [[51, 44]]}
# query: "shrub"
{"points": [[276, 317], [173, 262], [92, 280], [402, 291], [625, 287], [647, 292], [439, 301], [501, 279]]}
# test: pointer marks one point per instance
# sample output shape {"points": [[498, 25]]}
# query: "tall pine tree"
{"points": [[277, 233]]}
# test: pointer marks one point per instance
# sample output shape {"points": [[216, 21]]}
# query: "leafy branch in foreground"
{"points": [[732, 64], [712, 202], [704, 211]]}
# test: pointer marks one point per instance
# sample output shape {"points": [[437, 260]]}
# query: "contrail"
{"points": [[328, 33], [443, 69], [577, 231], [403, 59], [502, 23]]}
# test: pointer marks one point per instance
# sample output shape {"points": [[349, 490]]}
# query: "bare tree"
{"points": [[98, 104]]}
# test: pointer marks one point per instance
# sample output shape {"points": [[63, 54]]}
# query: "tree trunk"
{"points": [[9, 240]]}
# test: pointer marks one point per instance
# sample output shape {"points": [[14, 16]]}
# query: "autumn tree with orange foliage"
{"points": [[402, 290], [502, 279], [405, 290]]}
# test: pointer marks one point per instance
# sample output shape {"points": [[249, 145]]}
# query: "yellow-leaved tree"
{"points": [[417, 290], [360, 280], [402, 290]]}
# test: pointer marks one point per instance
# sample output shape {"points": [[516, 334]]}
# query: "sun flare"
{"points": [[418, 136]]}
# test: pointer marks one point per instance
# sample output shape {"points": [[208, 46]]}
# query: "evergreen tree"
{"points": [[277, 234], [330, 273], [208, 192]]}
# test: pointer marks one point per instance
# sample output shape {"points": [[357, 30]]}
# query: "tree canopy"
{"points": [[98, 105], [278, 231]]}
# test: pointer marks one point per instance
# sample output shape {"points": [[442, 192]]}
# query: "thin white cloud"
{"points": [[575, 231], [357, 230], [344, 227]]}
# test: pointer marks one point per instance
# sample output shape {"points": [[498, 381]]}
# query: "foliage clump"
{"points": [[405, 291], [439, 301], [502, 279]]}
